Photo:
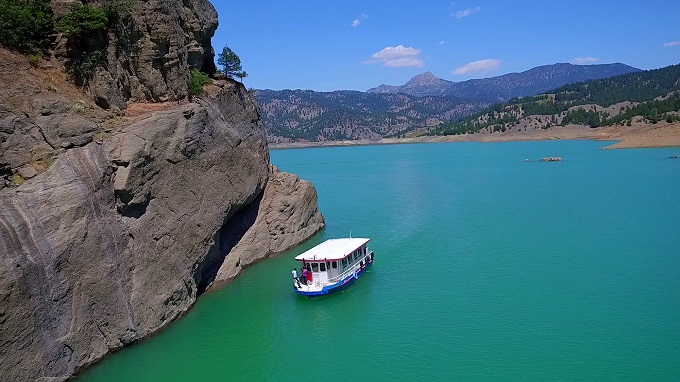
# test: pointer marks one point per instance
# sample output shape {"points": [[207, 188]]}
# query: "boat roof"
{"points": [[333, 249]]}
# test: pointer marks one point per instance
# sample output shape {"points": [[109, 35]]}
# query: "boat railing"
{"points": [[355, 266]]}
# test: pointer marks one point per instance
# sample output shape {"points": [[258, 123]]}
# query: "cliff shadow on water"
{"points": [[226, 238]]}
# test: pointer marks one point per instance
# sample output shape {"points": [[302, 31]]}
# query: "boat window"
{"points": [[364, 248], [349, 259], [356, 255], [322, 267], [344, 263], [315, 267], [334, 264]]}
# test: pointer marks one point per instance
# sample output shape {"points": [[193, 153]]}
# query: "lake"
{"points": [[486, 267]]}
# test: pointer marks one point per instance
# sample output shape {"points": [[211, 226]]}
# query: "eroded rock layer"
{"points": [[116, 239]]}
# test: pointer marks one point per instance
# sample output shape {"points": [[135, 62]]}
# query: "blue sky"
{"points": [[328, 45]]}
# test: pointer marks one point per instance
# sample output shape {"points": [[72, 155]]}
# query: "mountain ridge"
{"points": [[424, 101], [291, 115], [644, 97], [501, 88]]}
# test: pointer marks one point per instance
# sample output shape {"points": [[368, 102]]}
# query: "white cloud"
{"points": [[357, 21], [397, 56], [465, 12], [442, 42], [672, 43], [584, 60], [404, 61], [478, 66]]}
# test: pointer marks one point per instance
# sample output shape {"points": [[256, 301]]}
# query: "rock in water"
{"points": [[284, 216]]}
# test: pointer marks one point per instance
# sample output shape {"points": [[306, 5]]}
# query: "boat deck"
{"points": [[311, 287]]}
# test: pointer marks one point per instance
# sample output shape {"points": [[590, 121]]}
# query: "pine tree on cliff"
{"points": [[231, 64]]}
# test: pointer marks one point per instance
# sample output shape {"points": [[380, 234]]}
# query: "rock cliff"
{"points": [[149, 49], [117, 223]]}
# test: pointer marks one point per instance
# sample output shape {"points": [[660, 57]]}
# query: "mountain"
{"points": [[424, 101], [425, 84], [502, 88], [642, 96], [291, 115]]}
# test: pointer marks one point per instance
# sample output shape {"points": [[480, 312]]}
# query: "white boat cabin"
{"points": [[334, 259]]}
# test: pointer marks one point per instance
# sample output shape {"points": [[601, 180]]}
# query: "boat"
{"points": [[334, 265]]}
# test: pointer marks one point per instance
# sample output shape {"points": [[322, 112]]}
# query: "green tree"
{"points": [[241, 75], [230, 63], [26, 25], [83, 22]]}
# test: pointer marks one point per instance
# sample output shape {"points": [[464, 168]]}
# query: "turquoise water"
{"points": [[487, 268]]}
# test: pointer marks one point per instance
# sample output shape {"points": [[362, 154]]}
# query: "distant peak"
{"points": [[426, 75], [426, 78]]}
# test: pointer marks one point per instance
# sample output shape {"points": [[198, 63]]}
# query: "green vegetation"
{"points": [[80, 106], [26, 25], [231, 64], [85, 28], [241, 75], [33, 59], [340, 115], [652, 111], [16, 180], [196, 81], [83, 21], [101, 136], [655, 92]]}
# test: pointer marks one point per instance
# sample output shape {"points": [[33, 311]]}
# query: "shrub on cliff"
{"points": [[83, 21], [196, 81], [85, 28], [26, 25]]}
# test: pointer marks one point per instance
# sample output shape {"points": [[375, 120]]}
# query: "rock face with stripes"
{"points": [[117, 238], [111, 225]]}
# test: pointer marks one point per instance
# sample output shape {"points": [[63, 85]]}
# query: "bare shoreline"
{"points": [[661, 134]]}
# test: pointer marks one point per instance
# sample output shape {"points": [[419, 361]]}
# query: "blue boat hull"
{"points": [[340, 285]]}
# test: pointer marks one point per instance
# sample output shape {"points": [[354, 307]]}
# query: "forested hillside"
{"points": [[652, 95], [292, 115]]}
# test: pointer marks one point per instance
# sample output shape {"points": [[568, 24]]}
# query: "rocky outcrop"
{"points": [[112, 225], [36, 121], [284, 216], [149, 50], [116, 239]]}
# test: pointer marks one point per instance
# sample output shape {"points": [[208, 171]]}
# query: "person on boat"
{"points": [[309, 275], [305, 275], [303, 279], [295, 277]]}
